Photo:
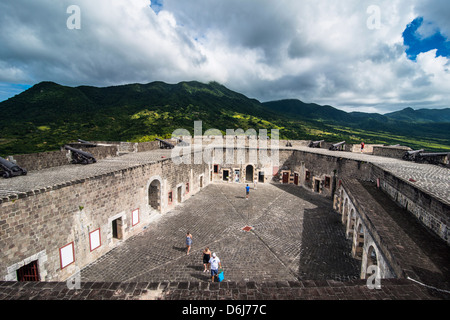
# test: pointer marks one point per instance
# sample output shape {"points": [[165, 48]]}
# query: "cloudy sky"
{"points": [[357, 55]]}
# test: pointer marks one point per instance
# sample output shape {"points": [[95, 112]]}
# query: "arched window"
{"points": [[358, 242], [154, 195], [345, 211], [372, 257], [249, 170]]}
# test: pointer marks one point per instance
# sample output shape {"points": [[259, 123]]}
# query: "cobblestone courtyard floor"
{"points": [[296, 236]]}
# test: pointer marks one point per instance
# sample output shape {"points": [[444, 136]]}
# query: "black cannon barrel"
{"points": [[414, 151], [80, 156], [166, 144], [412, 155], [336, 146], [9, 169], [437, 158], [7, 164], [436, 154], [84, 153], [86, 143], [315, 144]]}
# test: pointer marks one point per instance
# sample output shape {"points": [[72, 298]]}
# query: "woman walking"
{"points": [[206, 257], [188, 242]]}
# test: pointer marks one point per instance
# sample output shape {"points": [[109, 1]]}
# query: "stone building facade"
{"points": [[66, 226]]}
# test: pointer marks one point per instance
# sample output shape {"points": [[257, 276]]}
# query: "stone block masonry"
{"points": [[39, 161], [392, 289], [70, 216], [81, 208], [422, 189]]}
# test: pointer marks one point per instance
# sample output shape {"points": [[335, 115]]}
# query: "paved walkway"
{"points": [[432, 179], [295, 236]]}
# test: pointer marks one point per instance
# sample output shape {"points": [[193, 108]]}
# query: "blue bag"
{"points": [[220, 275]]}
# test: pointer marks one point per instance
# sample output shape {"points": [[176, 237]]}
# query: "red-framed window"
{"points": [[95, 240], [135, 219], [67, 255]]}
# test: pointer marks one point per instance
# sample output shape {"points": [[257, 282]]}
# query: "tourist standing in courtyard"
{"points": [[255, 182], [206, 258], [215, 264], [188, 241], [247, 191]]}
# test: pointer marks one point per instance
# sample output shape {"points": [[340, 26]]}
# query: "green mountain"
{"points": [[373, 127], [48, 115], [421, 115]]}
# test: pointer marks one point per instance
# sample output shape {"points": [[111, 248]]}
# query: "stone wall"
{"points": [[238, 164], [44, 160], [358, 209], [104, 149], [368, 148], [39, 161], [434, 214], [318, 172], [39, 226], [390, 151]]}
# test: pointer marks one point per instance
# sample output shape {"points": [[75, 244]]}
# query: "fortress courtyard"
{"points": [[285, 242], [295, 235]]}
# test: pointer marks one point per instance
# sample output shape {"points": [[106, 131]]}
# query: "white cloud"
{"points": [[316, 51]]}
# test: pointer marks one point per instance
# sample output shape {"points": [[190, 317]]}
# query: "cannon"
{"points": [[86, 143], [164, 144], [337, 146], [411, 155], [315, 144], [9, 169], [438, 158], [80, 157]]}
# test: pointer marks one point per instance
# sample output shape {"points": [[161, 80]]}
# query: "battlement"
{"points": [[90, 209]]}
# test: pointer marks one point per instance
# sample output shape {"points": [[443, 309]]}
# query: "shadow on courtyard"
{"points": [[325, 251]]}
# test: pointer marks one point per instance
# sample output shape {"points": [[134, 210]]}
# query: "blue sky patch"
{"points": [[9, 90], [421, 36], [156, 5]]}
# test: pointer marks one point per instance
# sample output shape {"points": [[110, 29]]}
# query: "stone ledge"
{"points": [[391, 289]]}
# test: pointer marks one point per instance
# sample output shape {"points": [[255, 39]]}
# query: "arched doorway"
{"points": [[154, 195], [249, 171], [345, 211], [351, 223], [372, 259], [358, 242]]}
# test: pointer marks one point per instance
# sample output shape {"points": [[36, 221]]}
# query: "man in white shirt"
{"points": [[215, 264]]}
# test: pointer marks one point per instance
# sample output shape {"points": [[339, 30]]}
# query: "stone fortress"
{"points": [[64, 224]]}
